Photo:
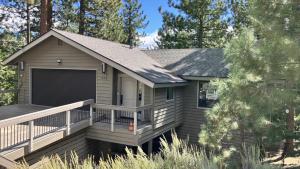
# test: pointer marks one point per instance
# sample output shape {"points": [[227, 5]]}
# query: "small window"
{"points": [[207, 94], [170, 93]]}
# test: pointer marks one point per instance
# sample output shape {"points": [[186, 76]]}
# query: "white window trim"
{"points": [[169, 100], [197, 99]]}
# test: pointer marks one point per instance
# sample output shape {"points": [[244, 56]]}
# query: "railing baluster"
{"points": [[134, 122], [68, 121], [112, 120], [91, 114], [31, 135]]}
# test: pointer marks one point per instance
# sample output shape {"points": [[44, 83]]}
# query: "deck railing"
{"points": [[26, 128], [121, 115]]}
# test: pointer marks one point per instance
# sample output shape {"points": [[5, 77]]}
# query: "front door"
{"points": [[127, 91]]}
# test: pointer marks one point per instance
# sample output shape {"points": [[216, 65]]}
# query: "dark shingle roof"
{"points": [[192, 62]]}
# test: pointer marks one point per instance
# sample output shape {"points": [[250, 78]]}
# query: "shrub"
{"points": [[177, 155]]}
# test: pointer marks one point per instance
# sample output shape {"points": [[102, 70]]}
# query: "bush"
{"points": [[177, 155]]}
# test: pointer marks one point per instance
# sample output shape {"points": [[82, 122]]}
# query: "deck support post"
{"points": [[112, 127], [150, 147], [135, 122], [68, 122], [31, 135], [91, 115]]}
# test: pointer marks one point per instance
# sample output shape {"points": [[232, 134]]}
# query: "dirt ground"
{"points": [[287, 163]]}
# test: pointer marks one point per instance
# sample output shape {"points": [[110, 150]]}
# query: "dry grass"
{"points": [[178, 155]]}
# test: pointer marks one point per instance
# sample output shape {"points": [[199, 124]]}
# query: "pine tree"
{"points": [[134, 19], [199, 24], [46, 16], [96, 18], [13, 17], [261, 95], [110, 26], [82, 9], [64, 15]]}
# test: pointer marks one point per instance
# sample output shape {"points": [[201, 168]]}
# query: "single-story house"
{"points": [[138, 95]]}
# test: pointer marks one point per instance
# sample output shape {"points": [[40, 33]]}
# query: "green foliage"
{"points": [[177, 155], [134, 19], [102, 18], [8, 76], [263, 81], [200, 24], [110, 27], [65, 16]]}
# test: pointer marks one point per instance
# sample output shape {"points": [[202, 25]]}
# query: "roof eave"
{"points": [[204, 78], [177, 84]]}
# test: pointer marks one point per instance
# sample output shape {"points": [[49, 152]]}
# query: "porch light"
{"points": [[103, 66], [22, 66], [59, 61]]}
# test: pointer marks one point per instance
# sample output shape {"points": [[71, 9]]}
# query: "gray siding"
{"points": [[167, 111], [193, 117], [45, 55], [148, 95], [164, 110], [179, 105], [74, 143]]}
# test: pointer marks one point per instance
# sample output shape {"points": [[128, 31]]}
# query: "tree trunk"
{"points": [[28, 32], [82, 17], [46, 16], [291, 127], [200, 34]]}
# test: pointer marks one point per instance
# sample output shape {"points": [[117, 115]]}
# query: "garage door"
{"points": [[56, 87]]}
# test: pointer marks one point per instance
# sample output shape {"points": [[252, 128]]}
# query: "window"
{"points": [[170, 93], [207, 94]]}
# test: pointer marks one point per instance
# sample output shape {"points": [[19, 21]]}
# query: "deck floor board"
{"points": [[19, 109]]}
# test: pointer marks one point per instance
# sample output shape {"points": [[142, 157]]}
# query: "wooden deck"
{"points": [[27, 128], [19, 109]]}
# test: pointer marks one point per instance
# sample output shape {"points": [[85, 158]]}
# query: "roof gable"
{"points": [[133, 62]]}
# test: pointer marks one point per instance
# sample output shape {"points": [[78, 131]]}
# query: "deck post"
{"points": [[135, 122], [68, 122], [31, 135], [150, 147], [91, 114], [112, 120]]}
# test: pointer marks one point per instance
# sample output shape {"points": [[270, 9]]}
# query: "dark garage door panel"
{"points": [[55, 87]]}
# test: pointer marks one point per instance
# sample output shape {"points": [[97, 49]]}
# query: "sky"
{"points": [[150, 8]]}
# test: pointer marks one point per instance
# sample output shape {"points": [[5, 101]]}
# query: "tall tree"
{"points": [[96, 18], [110, 26], [134, 19], [82, 9], [46, 16], [64, 15], [14, 15], [199, 23], [261, 95]]}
